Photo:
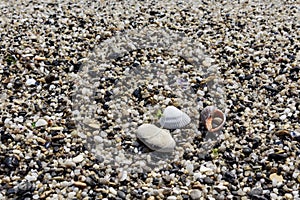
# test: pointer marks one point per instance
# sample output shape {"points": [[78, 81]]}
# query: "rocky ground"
{"points": [[64, 59]]}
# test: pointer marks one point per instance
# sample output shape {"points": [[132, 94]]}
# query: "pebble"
{"points": [[256, 192], [171, 198], [80, 184], [11, 162], [41, 122], [195, 194], [71, 195], [78, 159], [121, 194], [25, 187], [251, 51], [282, 117], [204, 169], [208, 180], [275, 178], [30, 82], [113, 191], [288, 196], [273, 195]]}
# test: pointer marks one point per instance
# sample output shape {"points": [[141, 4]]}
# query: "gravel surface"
{"points": [[69, 110]]}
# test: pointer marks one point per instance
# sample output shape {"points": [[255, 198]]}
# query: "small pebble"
{"points": [[78, 159], [30, 82], [171, 198], [113, 191], [275, 178], [121, 194], [80, 184], [195, 194], [40, 123]]}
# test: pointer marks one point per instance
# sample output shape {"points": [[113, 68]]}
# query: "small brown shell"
{"points": [[213, 118]]}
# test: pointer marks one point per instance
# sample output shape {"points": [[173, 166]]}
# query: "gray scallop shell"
{"points": [[173, 118], [156, 138]]}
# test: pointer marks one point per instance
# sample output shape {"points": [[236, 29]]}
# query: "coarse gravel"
{"points": [[249, 67]]}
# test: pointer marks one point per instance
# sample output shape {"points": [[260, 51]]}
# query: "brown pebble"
{"points": [[80, 184], [58, 136], [197, 185], [282, 133], [298, 178], [39, 58], [277, 178]]}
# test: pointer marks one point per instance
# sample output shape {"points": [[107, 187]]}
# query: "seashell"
{"points": [[213, 118], [156, 138], [173, 118]]}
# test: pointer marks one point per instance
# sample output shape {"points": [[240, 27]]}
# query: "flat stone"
{"points": [[195, 194], [121, 194], [30, 82], [276, 178], [40, 123], [113, 191], [80, 184], [78, 159], [204, 169], [156, 138]]}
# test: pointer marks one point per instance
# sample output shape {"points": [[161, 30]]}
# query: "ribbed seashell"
{"points": [[156, 138], [213, 118], [173, 118]]}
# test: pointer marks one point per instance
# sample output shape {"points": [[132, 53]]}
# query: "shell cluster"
{"points": [[160, 139]]}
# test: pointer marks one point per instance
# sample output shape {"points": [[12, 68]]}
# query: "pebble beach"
{"points": [[79, 77]]}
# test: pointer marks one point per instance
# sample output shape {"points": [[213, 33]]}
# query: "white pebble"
{"points": [[195, 194], [31, 178], [9, 85], [171, 198], [30, 82], [123, 175], [41, 122], [78, 158], [98, 139], [288, 196], [190, 168], [282, 117], [273, 195], [71, 195], [52, 87], [113, 191], [204, 169], [272, 126]]}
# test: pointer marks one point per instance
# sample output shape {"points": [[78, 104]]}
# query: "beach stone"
{"points": [[30, 82], [171, 198], [276, 178], [156, 138], [78, 159], [11, 162], [208, 180], [25, 187], [195, 194], [121, 194], [41, 122]]}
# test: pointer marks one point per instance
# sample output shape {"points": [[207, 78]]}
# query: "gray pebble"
{"points": [[195, 194]]}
